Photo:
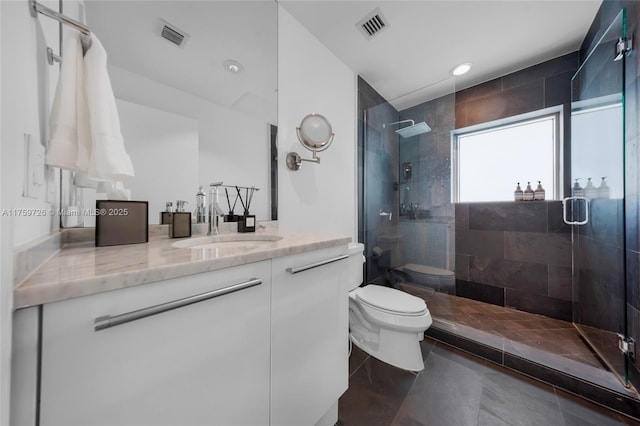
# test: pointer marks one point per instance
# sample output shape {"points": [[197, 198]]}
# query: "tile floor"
{"points": [[459, 389], [546, 341], [552, 335]]}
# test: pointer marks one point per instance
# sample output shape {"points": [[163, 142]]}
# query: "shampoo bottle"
{"points": [[518, 195], [528, 192], [603, 189], [539, 192], [577, 190], [590, 191]]}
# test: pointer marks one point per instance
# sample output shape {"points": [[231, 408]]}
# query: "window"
{"points": [[491, 158]]}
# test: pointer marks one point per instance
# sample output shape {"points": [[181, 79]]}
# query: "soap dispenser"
{"points": [[201, 203], [167, 215], [180, 226], [603, 189], [590, 191], [518, 195], [577, 190], [539, 193], [528, 192]]}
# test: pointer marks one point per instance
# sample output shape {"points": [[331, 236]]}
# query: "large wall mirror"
{"points": [[197, 105]]}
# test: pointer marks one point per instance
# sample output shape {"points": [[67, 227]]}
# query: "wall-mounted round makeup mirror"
{"points": [[315, 134]]}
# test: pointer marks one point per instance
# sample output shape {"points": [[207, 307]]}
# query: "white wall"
{"points": [[318, 197], [235, 150], [6, 294], [233, 146], [163, 148], [27, 85], [28, 88]]}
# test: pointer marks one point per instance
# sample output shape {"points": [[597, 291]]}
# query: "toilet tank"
{"points": [[356, 260]]}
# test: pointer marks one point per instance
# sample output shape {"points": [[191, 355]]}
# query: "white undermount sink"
{"points": [[227, 241]]}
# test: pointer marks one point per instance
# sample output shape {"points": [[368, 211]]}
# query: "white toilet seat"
{"points": [[391, 301], [412, 321]]}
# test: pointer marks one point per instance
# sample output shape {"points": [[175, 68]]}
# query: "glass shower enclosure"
{"points": [[406, 213], [597, 207], [408, 223]]}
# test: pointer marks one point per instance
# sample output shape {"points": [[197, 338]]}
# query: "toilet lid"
{"points": [[390, 299]]}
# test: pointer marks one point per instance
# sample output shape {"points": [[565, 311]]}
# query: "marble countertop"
{"points": [[81, 269]]}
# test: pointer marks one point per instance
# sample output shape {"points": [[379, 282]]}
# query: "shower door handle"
{"points": [[577, 200]]}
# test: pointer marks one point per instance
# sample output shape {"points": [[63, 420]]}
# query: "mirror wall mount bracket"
{"points": [[294, 160]]}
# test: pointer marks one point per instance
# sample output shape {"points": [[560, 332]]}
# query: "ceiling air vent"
{"points": [[173, 34], [372, 24]]}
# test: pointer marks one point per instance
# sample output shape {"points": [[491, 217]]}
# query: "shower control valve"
{"points": [[388, 214]]}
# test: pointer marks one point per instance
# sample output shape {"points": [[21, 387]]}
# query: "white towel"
{"points": [[64, 142], [109, 159], [84, 125]]}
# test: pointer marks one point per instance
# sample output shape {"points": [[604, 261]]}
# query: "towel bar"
{"points": [[36, 8]]}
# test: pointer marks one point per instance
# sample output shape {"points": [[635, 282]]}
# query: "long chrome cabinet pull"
{"points": [[315, 265], [108, 321]]}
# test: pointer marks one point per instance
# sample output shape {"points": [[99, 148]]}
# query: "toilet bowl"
{"points": [[386, 323], [439, 279]]}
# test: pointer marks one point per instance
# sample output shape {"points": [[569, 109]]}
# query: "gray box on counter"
{"points": [[180, 226], [121, 222]]}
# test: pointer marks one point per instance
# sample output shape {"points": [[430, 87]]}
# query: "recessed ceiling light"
{"points": [[232, 66], [461, 69]]}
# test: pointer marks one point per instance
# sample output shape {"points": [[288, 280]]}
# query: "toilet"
{"points": [[386, 323], [439, 279]]}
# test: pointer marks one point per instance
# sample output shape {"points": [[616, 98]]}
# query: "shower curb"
{"points": [[592, 392]]}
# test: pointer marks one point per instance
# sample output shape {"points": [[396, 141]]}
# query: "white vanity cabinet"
{"points": [[206, 363], [309, 329]]}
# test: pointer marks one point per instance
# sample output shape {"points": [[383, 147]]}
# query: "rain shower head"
{"points": [[412, 130]]}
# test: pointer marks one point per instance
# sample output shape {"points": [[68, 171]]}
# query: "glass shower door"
{"points": [[406, 217], [597, 209], [380, 210]]}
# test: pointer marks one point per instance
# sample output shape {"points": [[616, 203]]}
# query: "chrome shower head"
{"points": [[412, 130]]}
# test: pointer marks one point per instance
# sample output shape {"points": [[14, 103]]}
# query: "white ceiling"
{"points": [[409, 61], [245, 31]]}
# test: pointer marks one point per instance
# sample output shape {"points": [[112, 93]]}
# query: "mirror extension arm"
{"points": [[294, 160]]}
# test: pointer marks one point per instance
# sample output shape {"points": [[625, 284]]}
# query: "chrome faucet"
{"points": [[215, 211]]}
